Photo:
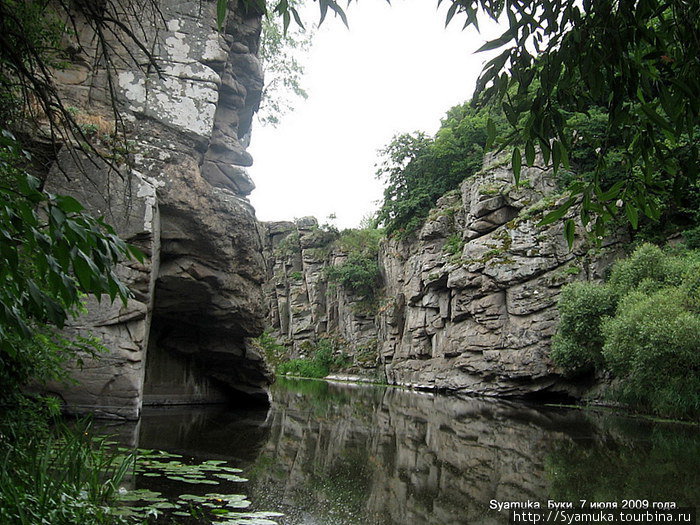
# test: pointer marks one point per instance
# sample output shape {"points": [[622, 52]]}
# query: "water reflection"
{"points": [[336, 454]]}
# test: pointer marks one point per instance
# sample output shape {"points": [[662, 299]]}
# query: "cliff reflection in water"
{"points": [[331, 454]]}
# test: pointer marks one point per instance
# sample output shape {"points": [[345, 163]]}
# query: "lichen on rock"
{"points": [[181, 196]]}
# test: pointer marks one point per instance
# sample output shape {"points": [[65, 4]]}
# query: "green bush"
{"points": [[643, 326], [303, 368], [654, 344], [418, 170], [326, 357], [576, 347], [274, 351], [361, 241], [288, 246], [649, 265], [692, 238], [359, 274]]}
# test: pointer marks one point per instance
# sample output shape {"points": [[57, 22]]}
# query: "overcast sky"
{"points": [[396, 70]]}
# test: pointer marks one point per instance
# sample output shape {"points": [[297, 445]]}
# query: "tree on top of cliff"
{"points": [[417, 170], [637, 59]]}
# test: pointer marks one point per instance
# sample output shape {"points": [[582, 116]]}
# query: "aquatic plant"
{"points": [[62, 476], [154, 467]]}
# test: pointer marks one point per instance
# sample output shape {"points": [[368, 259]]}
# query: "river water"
{"points": [[331, 454]]}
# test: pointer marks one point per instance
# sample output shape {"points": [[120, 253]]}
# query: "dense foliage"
{"points": [[52, 254], [637, 59], [417, 169], [324, 357], [359, 272], [58, 475], [643, 325], [578, 342]]}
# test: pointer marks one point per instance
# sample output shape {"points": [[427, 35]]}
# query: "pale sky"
{"points": [[396, 70]]}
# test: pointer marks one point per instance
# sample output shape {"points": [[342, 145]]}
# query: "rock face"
{"points": [[111, 385], [198, 295], [303, 305], [469, 305]]}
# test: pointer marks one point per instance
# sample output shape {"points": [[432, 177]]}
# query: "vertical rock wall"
{"points": [[303, 305], [469, 305], [188, 125]]}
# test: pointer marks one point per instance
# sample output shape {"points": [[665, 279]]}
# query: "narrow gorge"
{"points": [[468, 305], [513, 331]]}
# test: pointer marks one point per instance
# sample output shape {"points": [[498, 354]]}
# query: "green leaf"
{"points": [[296, 16], [68, 204], [556, 155], [136, 253], [564, 154], [632, 214], [221, 10], [451, 13], [612, 193], [557, 214], [490, 132], [569, 232], [516, 164], [494, 44], [529, 153], [57, 215], [81, 269], [651, 113]]}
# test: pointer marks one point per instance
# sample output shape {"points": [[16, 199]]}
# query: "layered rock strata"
{"points": [[468, 305], [181, 195], [471, 303], [303, 305]]}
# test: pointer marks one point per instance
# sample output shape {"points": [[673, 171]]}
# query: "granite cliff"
{"points": [[180, 195], [302, 304], [467, 305]]}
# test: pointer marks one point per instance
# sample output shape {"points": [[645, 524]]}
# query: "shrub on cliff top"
{"points": [[359, 274], [418, 170]]}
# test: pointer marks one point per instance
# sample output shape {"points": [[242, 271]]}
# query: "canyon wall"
{"points": [[303, 305], [467, 305], [471, 303], [179, 193]]}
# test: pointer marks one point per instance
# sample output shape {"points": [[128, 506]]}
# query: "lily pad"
{"points": [[140, 495], [230, 477]]}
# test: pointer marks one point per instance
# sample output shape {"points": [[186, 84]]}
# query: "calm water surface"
{"points": [[332, 454]]}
